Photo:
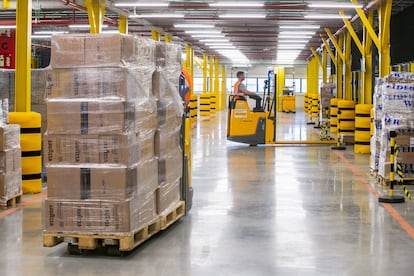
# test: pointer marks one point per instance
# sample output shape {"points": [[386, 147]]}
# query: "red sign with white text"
{"points": [[7, 48]]}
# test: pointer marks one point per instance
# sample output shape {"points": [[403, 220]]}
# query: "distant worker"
{"points": [[240, 90]]}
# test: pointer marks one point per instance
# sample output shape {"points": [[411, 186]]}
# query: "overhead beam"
{"points": [[96, 12], [353, 34], [328, 48], [123, 24], [315, 54], [335, 43], [368, 26]]}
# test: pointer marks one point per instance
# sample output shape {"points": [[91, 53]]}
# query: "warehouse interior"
{"points": [[133, 144]]}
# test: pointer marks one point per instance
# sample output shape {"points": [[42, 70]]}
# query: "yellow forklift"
{"points": [[252, 127]]}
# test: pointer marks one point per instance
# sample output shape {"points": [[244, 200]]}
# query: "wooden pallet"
{"points": [[12, 202], [116, 244], [174, 215]]}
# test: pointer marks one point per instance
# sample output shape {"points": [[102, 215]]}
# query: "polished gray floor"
{"points": [[266, 210]]}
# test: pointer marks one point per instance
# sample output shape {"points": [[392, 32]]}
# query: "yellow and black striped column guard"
{"points": [[401, 175], [31, 146]]}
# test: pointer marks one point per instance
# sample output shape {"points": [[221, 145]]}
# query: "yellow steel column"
{"points": [[167, 38], [123, 24], [338, 45], [328, 48], [192, 65], [204, 73], [217, 83], [348, 72], [23, 55], [96, 12], [211, 74], [155, 35], [367, 77], [223, 89], [6, 4], [280, 85], [368, 25], [412, 67], [325, 65], [339, 69], [384, 13]]}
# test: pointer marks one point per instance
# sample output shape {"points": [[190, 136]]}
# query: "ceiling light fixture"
{"points": [[83, 26], [157, 15], [236, 5], [285, 36], [296, 33], [141, 5], [193, 26], [49, 32], [287, 42], [7, 26], [208, 36], [300, 27], [336, 6], [41, 36], [327, 16], [242, 15], [222, 47], [214, 40], [203, 32]]}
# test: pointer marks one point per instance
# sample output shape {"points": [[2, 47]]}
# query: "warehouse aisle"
{"points": [[257, 211]]}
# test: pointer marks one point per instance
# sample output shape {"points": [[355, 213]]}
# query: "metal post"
{"points": [[223, 89], [391, 198], [23, 55], [348, 72], [211, 75], [325, 65], [204, 73], [339, 69], [155, 35], [168, 38], [384, 18], [367, 77], [123, 24], [217, 83], [96, 12], [6, 4]]}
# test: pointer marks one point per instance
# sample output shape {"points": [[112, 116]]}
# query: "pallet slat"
{"points": [[12, 202]]}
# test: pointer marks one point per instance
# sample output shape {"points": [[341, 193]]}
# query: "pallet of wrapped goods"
{"points": [[10, 166]]}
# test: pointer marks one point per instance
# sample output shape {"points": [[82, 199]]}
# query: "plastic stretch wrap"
{"points": [[170, 166], [99, 182], [38, 86], [168, 195], [168, 55], [9, 137], [167, 140], [118, 217], [10, 185], [126, 82], [144, 51], [90, 50]]}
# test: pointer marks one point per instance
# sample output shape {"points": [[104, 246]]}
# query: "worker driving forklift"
{"points": [[250, 126]]}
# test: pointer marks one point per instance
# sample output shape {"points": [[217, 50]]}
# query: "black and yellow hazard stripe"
{"points": [[400, 174], [204, 104], [31, 145]]}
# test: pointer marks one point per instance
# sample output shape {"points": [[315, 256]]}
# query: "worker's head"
{"points": [[240, 75]]}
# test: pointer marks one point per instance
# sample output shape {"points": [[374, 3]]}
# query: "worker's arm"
{"points": [[243, 89]]}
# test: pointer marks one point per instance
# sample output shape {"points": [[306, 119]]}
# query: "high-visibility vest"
{"points": [[236, 89]]}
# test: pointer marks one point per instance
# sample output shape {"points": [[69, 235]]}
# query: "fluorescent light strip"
{"points": [[242, 16], [7, 26], [299, 27], [222, 47], [141, 5], [236, 5], [288, 42], [336, 6], [327, 16], [84, 26], [49, 32], [193, 26], [293, 46], [218, 44], [157, 15], [214, 40], [41, 36], [294, 36], [203, 32], [296, 33], [208, 36]]}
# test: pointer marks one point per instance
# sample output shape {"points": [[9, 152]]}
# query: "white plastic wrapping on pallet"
{"points": [[102, 119], [394, 111]]}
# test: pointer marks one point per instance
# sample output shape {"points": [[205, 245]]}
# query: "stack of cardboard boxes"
{"points": [[170, 110], [10, 163], [99, 146], [394, 111]]}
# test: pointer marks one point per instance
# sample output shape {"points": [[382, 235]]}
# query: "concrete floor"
{"points": [[257, 211]]}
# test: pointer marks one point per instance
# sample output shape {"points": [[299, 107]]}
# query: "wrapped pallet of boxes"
{"points": [[99, 145], [10, 163], [395, 109], [168, 138]]}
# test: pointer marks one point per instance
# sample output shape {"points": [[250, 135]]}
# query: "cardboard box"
{"points": [[168, 195], [170, 167], [67, 51], [167, 140], [67, 182], [120, 149], [146, 148], [10, 160], [86, 50], [147, 176], [99, 217], [90, 117], [9, 137]]}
